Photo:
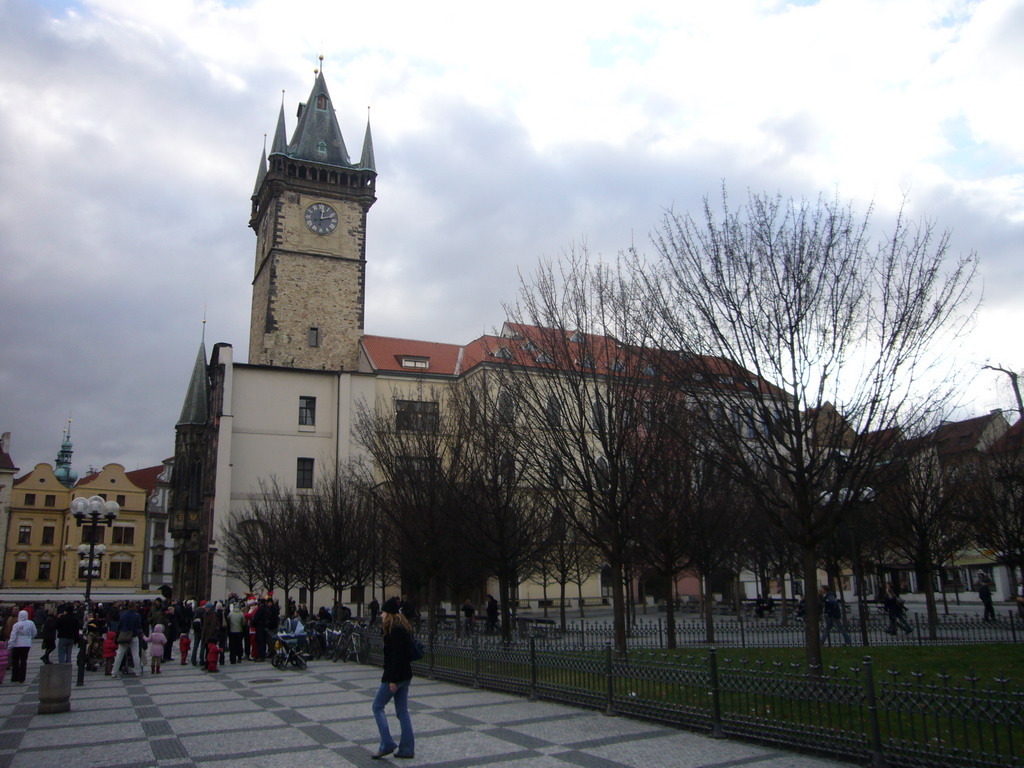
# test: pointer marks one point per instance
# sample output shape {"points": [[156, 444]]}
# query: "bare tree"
{"points": [[996, 500], [404, 436], [798, 295], [920, 505], [506, 522], [343, 531], [582, 375]]}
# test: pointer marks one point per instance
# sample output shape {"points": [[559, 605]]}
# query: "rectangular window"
{"points": [[307, 411], [20, 570], [313, 337], [49, 500], [416, 362], [120, 499], [24, 534], [123, 534], [304, 473], [120, 570], [44, 570], [158, 562], [97, 537], [416, 416], [159, 532], [48, 534], [30, 499]]}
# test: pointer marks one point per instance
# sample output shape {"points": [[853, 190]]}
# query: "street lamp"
{"points": [[91, 512]]}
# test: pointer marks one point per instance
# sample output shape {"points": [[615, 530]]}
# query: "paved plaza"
{"points": [[255, 716]]}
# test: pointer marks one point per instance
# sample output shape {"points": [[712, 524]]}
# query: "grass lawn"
{"points": [[987, 662]]}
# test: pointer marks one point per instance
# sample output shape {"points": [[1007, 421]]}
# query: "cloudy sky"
{"points": [[131, 133]]}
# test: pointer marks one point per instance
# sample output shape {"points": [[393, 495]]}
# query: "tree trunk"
{"points": [[812, 640], [561, 610], [709, 610], [618, 608], [670, 613], [929, 600], [506, 614]]}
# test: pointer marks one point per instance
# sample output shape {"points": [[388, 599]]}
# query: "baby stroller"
{"points": [[286, 652]]}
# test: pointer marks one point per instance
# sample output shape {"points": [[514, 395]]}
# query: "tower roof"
{"points": [[317, 136], [194, 411], [280, 144], [366, 160], [262, 172]]}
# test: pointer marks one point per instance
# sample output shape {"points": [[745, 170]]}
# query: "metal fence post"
{"points": [[430, 657], [917, 628], [877, 757], [533, 668], [716, 701], [476, 661], [1013, 625], [743, 634], [610, 710]]}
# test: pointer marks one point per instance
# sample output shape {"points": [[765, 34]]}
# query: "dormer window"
{"points": [[321, 102], [322, 147], [503, 353], [577, 337], [421, 363]]}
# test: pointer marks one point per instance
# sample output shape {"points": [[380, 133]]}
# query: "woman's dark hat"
{"points": [[391, 605]]}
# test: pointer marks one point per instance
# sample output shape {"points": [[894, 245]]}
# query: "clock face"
{"points": [[321, 218]]}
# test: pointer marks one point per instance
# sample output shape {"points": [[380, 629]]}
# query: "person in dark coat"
{"points": [[492, 614], [895, 608], [394, 683], [49, 637]]}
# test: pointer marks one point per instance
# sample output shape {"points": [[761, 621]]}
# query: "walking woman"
{"points": [[394, 683], [22, 634]]}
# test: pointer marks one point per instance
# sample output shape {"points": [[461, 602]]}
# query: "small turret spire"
{"points": [[367, 160]]}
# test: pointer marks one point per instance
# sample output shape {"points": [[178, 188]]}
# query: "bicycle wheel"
{"points": [[298, 661], [362, 650], [277, 661]]}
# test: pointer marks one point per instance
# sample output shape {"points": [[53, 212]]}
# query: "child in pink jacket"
{"points": [[157, 641]]}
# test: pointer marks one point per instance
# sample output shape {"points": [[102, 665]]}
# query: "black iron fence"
{"points": [[859, 713], [760, 633]]}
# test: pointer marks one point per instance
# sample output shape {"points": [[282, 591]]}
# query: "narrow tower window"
{"points": [[321, 102], [322, 147], [314, 337]]}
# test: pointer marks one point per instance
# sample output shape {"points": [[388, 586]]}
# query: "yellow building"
{"points": [[42, 561], [121, 568], [36, 531]]}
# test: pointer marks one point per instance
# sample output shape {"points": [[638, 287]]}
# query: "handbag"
{"points": [[418, 651], [125, 636]]}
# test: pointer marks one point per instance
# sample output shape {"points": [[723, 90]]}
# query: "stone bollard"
{"points": [[54, 688]]}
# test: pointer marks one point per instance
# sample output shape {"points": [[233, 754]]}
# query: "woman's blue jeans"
{"points": [[407, 744]]}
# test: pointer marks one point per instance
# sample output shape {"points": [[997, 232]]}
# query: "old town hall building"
{"points": [[288, 412]]}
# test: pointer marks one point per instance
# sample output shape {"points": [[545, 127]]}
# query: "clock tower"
{"points": [[309, 213]]}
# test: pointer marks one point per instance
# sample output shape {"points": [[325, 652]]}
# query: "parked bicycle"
{"points": [[352, 644]]}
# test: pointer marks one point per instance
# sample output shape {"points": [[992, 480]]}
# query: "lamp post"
{"points": [[91, 512]]}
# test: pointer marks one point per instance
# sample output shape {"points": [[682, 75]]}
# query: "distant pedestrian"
{"points": [[236, 631], [374, 611], [49, 634], [68, 630], [985, 593], [394, 683], [896, 610], [5, 660], [492, 614], [128, 638], [832, 610], [468, 612], [157, 643], [22, 634]]}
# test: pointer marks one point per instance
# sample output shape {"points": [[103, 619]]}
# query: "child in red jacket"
{"points": [[109, 652]]}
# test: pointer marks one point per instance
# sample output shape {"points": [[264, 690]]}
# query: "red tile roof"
{"points": [[146, 478], [385, 353]]}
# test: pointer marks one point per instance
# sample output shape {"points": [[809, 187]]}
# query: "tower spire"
{"points": [[366, 160], [65, 474]]}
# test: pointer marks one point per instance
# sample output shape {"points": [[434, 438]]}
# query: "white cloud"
{"points": [[133, 129]]}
